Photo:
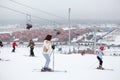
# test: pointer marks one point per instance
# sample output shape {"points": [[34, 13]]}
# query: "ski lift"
{"points": [[28, 23], [28, 26], [57, 32]]}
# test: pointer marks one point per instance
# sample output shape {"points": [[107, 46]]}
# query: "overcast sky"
{"points": [[80, 9]]}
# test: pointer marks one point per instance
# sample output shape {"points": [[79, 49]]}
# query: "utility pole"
{"points": [[94, 39], [69, 29]]}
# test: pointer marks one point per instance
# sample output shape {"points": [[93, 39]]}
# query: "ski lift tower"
{"points": [[69, 29]]}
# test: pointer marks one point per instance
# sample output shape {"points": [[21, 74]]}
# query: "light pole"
{"points": [[94, 39], [69, 29]]}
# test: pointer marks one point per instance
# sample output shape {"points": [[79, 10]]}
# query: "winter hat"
{"points": [[102, 47]]}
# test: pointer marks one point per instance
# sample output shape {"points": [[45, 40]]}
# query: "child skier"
{"points": [[46, 52], [99, 57]]}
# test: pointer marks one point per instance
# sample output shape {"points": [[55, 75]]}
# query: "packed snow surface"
{"points": [[19, 66]]}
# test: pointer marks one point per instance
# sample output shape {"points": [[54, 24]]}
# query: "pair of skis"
{"points": [[38, 70], [105, 69]]}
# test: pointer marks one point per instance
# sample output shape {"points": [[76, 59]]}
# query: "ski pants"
{"points": [[31, 52], [13, 50], [100, 61], [47, 58]]}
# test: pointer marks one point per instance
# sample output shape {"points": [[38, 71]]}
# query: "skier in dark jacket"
{"points": [[1, 44], [31, 45]]}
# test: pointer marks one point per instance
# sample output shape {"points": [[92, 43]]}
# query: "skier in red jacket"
{"points": [[14, 44]]}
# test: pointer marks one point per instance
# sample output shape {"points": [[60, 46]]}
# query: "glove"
{"points": [[53, 47]]}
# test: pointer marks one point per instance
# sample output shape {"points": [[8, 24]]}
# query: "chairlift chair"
{"points": [[28, 22]]}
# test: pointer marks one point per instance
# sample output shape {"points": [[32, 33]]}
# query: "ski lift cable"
{"points": [[26, 13], [12, 9], [45, 12]]}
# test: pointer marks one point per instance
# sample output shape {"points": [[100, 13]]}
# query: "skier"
{"points": [[1, 44], [99, 57], [31, 45], [14, 44], [46, 52]]}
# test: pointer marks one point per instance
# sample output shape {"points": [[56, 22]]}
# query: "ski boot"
{"points": [[44, 69], [100, 67], [49, 69]]}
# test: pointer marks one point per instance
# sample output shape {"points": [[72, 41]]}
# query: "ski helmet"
{"points": [[102, 47]]}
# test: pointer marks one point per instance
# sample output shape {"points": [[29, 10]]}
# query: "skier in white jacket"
{"points": [[46, 52]]}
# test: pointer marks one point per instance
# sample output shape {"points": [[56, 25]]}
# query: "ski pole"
{"points": [[53, 60], [51, 53], [92, 64], [28, 49]]}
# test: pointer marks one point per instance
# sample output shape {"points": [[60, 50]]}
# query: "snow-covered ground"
{"points": [[21, 67]]}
